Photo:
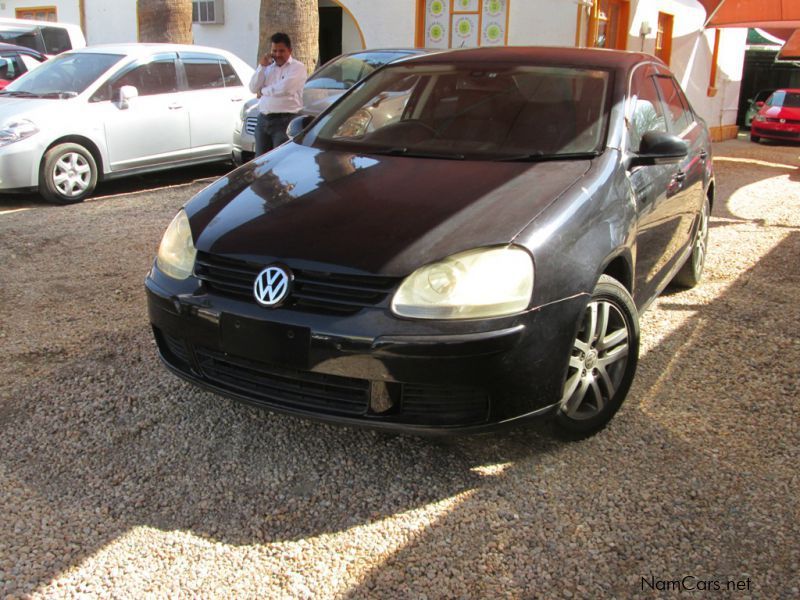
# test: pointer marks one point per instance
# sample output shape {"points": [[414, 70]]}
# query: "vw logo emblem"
{"points": [[271, 286], [783, 120]]}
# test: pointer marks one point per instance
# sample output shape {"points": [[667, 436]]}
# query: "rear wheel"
{"points": [[602, 362], [68, 174], [692, 270]]}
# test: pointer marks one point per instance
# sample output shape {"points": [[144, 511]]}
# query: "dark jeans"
{"points": [[271, 131]]}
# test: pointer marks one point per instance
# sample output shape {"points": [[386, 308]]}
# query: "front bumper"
{"points": [[19, 164], [775, 131], [369, 369]]}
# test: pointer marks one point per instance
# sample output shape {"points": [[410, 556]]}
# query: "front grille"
{"points": [[787, 121], [250, 125], [312, 291], [444, 404], [303, 390]]}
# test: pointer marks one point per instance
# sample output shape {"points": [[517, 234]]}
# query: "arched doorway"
{"points": [[338, 31]]}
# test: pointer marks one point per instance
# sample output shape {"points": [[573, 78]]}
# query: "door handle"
{"points": [[236, 99], [703, 155], [175, 106], [679, 176]]}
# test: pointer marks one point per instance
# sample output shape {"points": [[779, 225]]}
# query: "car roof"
{"points": [[791, 90], [137, 49], [597, 57], [24, 49], [33, 22]]}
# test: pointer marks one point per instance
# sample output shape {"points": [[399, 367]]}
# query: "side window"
{"points": [[156, 77], [10, 67], [678, 114], [647, 113], [203, 72], [231, 78]]}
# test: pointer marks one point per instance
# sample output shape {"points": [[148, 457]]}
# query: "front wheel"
{"points": [[68, 174], [602, 362], [692, 270]]}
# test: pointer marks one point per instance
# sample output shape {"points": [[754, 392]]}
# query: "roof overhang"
{"points": [[780, 18]]}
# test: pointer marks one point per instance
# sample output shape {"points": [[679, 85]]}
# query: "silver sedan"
{"points": [[115, 110]]}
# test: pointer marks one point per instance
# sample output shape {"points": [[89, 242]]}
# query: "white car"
{"points": [[109, 111], [323, 88]]}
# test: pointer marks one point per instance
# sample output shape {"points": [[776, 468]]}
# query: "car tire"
{"points": [[601, 364], [691, 272], [754, 138], [68, 174]]}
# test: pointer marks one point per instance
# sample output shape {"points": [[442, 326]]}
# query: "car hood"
{"points": [[22, 107], [315, 100], [376, 214], [782, 112]]}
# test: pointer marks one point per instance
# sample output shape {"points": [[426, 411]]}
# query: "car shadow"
{"points": [[134, 184], [144, 449]]}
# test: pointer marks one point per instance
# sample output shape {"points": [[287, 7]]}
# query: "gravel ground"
{"points": [[117, 479]]}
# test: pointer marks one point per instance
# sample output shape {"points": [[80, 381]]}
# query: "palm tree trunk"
{"points": [[297, 18], [167, 21]]}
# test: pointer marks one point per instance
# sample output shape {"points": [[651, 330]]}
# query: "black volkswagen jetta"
{"points": [[464, 240]]}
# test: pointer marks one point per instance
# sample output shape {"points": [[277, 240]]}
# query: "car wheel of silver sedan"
{"points": [[68, 174], [602, 361]]}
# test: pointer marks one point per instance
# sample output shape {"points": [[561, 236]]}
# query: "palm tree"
{"points": [[297, 18], [165, 21]]}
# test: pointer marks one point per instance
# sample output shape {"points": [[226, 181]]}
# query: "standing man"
{"points": [[278, 81]]}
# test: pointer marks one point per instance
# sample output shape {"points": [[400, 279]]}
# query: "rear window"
{"points": [[56, 40], [207, 71], [30, 37]]}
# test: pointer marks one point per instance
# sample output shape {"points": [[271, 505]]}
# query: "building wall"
{"points": [[541, 23], [239, 33], [692, 52], [110, 22], [385, 23], [67, 11]]}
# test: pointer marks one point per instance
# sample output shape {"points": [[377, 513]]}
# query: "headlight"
{"points": [[176, 253], [487, 282], [16, 131], [761, 118]]}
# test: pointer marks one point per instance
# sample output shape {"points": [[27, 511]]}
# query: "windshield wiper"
{"points": [[402, 151], [541, 156], [19, 94], [59, 95]]}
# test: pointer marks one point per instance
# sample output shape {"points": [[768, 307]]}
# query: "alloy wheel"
{"points": [[598, 361]]}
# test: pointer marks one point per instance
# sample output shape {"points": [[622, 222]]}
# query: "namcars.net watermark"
{"points": [[690, 583]]}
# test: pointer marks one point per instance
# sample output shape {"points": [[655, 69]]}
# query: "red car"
{"points": [[778, 118], [16, 60]]}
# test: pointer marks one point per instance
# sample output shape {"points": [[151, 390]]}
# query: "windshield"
{"points": [[343, 72], [451, 111], [784, 99], [65, 75]]}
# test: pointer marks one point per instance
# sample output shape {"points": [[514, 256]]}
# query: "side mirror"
{"points": [[659, 148], [759, 104], [297, 125], [126, 94]]}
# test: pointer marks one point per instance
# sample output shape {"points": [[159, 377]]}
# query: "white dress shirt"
{"points": [[281, 87]]}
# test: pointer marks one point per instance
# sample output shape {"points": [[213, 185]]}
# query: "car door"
{"points": [[685, 189], [213, 97], [652, 187], [151, 129]]}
